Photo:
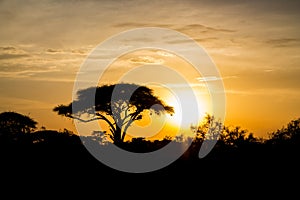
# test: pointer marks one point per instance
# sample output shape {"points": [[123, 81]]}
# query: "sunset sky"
{"points": [[254, 44]]}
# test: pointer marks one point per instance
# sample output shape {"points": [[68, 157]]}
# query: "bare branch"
{"points": [[130, 121], [107, 120], [82, 120]]}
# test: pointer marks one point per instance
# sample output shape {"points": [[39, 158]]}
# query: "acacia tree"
{"points": [[15, 126], [119, 105]]}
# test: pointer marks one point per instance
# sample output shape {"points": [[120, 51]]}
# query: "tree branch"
{"points": [[107, 121], [130, 121], [82, 120]]}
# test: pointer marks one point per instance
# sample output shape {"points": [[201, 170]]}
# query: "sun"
{"points": [[189, 109]]}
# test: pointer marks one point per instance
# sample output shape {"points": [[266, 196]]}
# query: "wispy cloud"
{"points": [[25, 73], [239, 92], [54, 50], [200, 28], [270, 92], [283, 42], [146, 60], [26, 61], [164, 54], [11, 52], [214, 78], [22, 103], [12, 56], [268, 70], [80, 51], [185, 85], [138, 25], [206, 39], [208, 78]]}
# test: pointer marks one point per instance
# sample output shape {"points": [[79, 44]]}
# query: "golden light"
{"points": [[189, 106], [186, 113]]}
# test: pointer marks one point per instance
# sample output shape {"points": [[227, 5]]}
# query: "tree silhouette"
{"points": [[119, 105], [54, 137], [15, 126], [288, 137], [208, 129], [236, 136], [290, 132]]}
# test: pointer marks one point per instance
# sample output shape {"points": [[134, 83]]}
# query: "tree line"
{"points": [[23, 144], [18, 129]]}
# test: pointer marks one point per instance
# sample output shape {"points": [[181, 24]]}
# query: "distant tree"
{"points": [[287, 135], [209, 129], [118, 112], [13, 126], [55, 137], [236, 136], [100, 137], [229, 138]]}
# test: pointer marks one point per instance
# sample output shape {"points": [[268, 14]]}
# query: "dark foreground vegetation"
{"points": [[38, 155]]}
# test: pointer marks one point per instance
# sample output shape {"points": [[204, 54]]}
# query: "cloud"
{"points": [[199, 40], [9, 48], [214, 78], [203, 29], [80, 51], [268, 70], [240, 92], [283, 42], [206, 39], [54, 51], [164, 54], [254, 6], [22, 103], [208, 78], [10, 52], [12, 56], [201, 33], [185, 85], [24, 72], [271, 92], [146, 60], [34, 62], [137, 25]]}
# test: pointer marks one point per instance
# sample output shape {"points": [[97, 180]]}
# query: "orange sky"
{"points": [[254, 44]]}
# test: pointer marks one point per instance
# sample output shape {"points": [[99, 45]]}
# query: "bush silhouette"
{"points": [[15, 127]]}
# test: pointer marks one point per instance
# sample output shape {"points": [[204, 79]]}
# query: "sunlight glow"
{"points": [[182, 107]]}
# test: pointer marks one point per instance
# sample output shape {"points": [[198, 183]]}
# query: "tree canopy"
{"points": [[14, 125], [119, 105]]}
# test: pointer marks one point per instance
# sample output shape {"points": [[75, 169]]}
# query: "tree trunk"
{"points": [[123, 136], [117, 136]]}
